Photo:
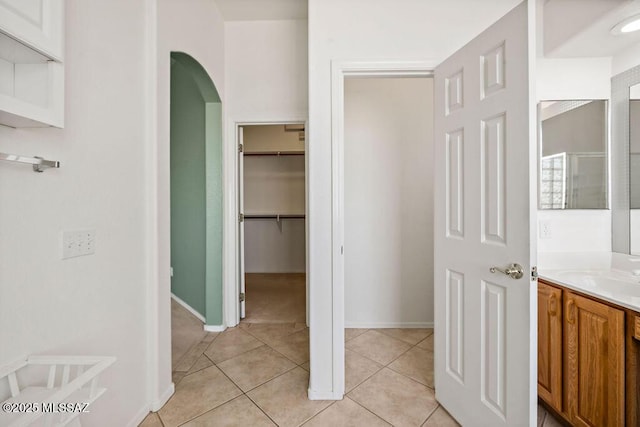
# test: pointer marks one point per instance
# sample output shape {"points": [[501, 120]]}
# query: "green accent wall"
{"points": [[196, 188]]}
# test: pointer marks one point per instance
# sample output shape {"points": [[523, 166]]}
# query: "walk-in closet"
{"points": [[272, 203]]}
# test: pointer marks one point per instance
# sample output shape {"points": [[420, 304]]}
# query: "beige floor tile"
{"points": [[269, 333], [416, 364], [186, 331], [395, 398], [231, 343], [306, 366], [378, 346], [409, 335], [427, 343], [240, 412], [255, 367], [346, 413], [351, 333], [294, 346], [176, 377], [193, 355], [152, 420], [210, 337], [357, 369], [441, 418], [202, 363], [284, 399], [197, 394]]}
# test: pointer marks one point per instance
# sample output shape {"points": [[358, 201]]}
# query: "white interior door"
{"points": [[485, 349], [242, 292]]}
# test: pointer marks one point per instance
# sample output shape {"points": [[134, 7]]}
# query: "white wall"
{"points": [[577, 230], [364, 30], [573, 78], [266, 68], [95, 305], [273, 247], [388, 202], [271, 138], [626, 59]]}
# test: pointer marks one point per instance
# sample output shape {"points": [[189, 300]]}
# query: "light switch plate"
{"points": [[78, 243], [544, 229]]}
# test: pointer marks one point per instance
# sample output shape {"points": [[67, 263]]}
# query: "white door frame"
{"points": [[231, 258], [339, 71]]}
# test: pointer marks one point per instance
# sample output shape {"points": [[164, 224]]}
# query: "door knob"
{"points": [[515, 271]]}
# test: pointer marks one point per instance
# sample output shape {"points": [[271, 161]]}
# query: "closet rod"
{"points": [[39, 164], [274, 153], [274, 216]]}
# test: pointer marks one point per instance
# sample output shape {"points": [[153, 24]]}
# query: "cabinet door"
{"points": [[36, 23], [550, 345], [594, 362]]}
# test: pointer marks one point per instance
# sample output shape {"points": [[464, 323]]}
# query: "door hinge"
{"points": [[241, 217], [240, 148], [534, 273], [241, 296]]}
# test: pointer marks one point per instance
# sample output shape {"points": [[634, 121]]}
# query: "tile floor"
{"points": [[257, 375]]}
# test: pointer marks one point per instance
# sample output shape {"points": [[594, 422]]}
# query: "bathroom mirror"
{"points": [[573, 154], [634, 168]]}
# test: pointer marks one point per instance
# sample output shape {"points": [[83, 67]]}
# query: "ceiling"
{"points": [[583, 30], [262, 10]]}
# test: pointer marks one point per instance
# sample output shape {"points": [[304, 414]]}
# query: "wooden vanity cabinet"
{"points": [[594, 362], [582, 358], [550, 344]]}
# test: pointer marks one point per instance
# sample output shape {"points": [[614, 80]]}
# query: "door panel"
{"points": [[493, 185], [455, 183], [493, 369], [454, 325], [485, 353]]}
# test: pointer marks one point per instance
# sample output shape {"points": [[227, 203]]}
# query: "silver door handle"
{"points": [[515, 271]]}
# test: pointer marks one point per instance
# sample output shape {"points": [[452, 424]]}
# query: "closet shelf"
{"points": [[277, 217], [274, 153]]}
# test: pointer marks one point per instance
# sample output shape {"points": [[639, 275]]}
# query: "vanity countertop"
{"points": [[609, 276]]}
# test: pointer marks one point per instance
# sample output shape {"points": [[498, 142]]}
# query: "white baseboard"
{"points": [[384, 325], [189, 308], [155, 406], [139, 417], [324, 395], [215, 328]]}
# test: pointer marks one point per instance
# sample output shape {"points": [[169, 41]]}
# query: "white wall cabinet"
{"points": [[31, 63], [36, 23]]}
